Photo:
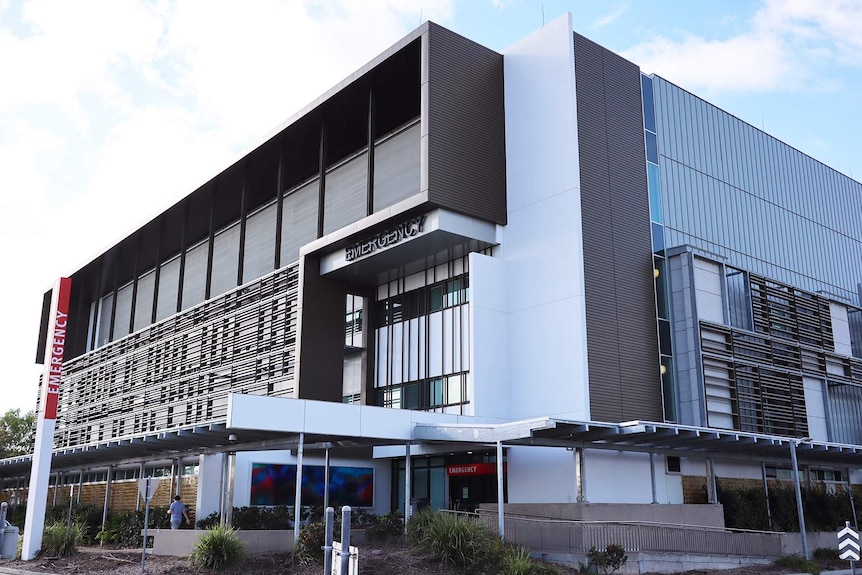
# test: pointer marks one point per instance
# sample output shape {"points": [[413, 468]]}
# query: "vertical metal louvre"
{"points": [[345, 197], [144, 299], [259, 243], [195, 276], [396, 168], [104, 321], [123, 312], [299, 221], [169, 283], [225, 260]]}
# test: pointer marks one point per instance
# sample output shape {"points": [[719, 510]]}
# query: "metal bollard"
{"points": [[327, 545], [2, 522], [345, 540]]}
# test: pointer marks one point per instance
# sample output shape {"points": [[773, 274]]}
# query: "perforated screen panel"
{"points": [[178, 372]]}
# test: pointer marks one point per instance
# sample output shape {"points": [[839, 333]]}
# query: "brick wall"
{"points": [[124, 494], [694, 489]]}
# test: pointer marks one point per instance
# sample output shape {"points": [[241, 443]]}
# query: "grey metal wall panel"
{"points": [[104, 321], [225, 260], [735, 190], [195, 275], [396, 168], [144, 300], [259, 244], [299, 221], [620, 301], [466, 131], [123, 311], [169, 282], [345, 198]]}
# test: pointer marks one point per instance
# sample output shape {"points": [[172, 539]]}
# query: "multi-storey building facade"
{"points": [[525, 251]]}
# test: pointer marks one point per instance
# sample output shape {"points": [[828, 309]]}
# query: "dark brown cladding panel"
{"points": [[622, 346], [466, 126], [321, 350]]}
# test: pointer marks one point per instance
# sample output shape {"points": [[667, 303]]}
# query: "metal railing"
{"points": [[577, 537]]}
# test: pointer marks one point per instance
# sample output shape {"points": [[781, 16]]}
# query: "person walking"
{"points": [[177, 511]]}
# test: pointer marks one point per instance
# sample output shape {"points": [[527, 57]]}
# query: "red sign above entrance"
{"points": [[473, 469]]}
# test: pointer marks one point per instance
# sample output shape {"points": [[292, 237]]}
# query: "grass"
{"points": [[798, 563]]}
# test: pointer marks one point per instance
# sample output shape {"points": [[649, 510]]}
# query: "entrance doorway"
{"points": [[473, 480], [456, 481]]}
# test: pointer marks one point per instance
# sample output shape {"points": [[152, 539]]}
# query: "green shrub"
{"points": [[385, 528], [210, 521], [607, 560], [517, 561], [417, 526], [124, 529], [826, 554], [110, 532], [744, 508], [88, 516], [216, 548], [61, 540], [15, 515], [252, 518], [309, 546], [798, 563], [466, 544]]}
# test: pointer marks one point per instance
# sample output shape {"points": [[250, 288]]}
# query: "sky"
{"points": [[113, 110]]}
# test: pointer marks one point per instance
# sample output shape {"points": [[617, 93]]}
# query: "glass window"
{"points": [[664, 336], [391, 397], [435, 298], [651, 147], [435, 392], [668, 389], [657, 238], [647, 99], [453, 390], [660, 274], [411, 396], [453, 292], [654, 186]]}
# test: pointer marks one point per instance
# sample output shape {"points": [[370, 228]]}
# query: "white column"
{"points": [[209, 485], [37, 496], [500, 503], [407, 494], [297, 515]]}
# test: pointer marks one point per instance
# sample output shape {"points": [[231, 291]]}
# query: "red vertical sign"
{"points": [[55, 348]]}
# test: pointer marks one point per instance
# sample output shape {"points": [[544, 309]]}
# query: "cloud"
{"points": [[612, 16], [24, 152], [786, 44], [717, 65], [103, 126]]}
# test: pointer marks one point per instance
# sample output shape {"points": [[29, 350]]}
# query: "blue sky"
{"points": [[112, 110]]}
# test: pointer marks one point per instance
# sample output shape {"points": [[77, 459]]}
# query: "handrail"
{"points": [[545, 519]]}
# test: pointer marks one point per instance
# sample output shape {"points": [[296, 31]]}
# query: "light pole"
{"points": [[794, 443]]}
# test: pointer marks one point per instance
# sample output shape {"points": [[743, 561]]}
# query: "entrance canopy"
{"points": [[267, 423], [665, 438]]}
